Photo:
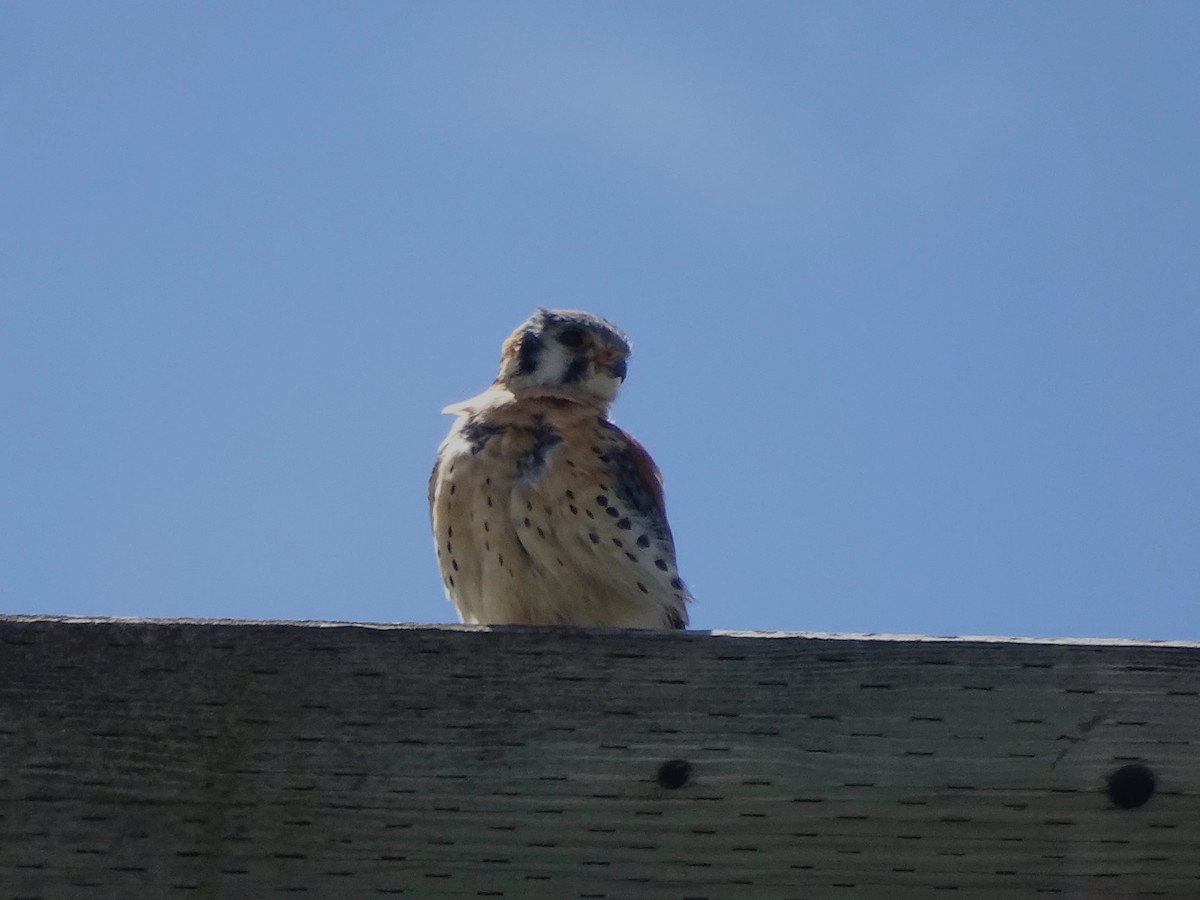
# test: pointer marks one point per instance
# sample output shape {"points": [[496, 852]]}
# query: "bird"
{"points": [[543, 511]]}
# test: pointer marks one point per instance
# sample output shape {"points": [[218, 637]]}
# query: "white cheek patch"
{"points": [[602, 385], [552, 366]]}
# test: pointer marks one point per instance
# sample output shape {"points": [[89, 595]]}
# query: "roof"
{"points": [[222, 758]]}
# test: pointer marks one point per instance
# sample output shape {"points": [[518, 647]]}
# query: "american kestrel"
{"points": [[544, 512]]}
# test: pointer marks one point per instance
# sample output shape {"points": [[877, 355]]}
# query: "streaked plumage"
{"points": [[544, 512]]}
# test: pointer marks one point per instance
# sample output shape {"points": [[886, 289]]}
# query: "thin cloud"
{"points": [[952, 120], [637, 111], [720, 135]]}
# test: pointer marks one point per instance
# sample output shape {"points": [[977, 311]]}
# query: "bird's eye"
{"points": [[570, 337]]}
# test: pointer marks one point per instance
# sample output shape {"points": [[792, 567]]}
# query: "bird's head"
{"points": [[567, 354]]}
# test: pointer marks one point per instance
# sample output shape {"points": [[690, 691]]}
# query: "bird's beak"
{"points": [[617, 367]]}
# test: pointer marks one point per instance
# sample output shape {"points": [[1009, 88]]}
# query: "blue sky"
{"points": [[914, 290]]}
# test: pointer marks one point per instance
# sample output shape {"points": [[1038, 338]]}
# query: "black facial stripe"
{"points": [[529, 354], [576, 370]]}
